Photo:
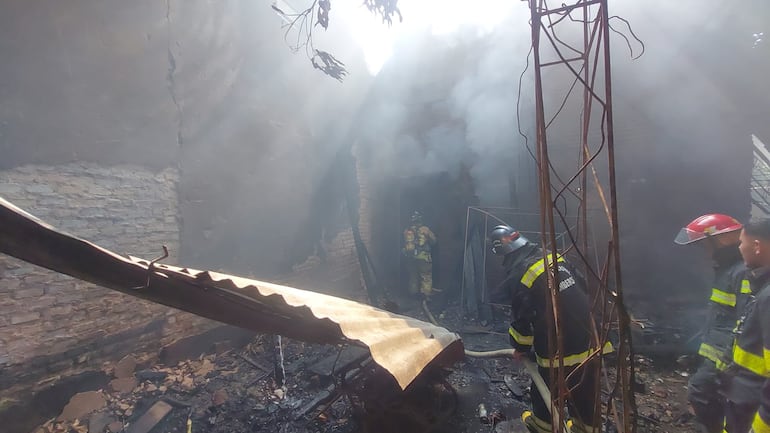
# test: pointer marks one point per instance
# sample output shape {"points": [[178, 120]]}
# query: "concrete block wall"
{"points": [[51, 324]]}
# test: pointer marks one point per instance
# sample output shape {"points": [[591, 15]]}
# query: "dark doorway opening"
{"points": [[443, 201]]}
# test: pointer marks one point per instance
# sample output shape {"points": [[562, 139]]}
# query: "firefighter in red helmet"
{"points": [[719, 234]]}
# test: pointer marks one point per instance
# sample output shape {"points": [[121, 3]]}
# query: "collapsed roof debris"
{"points": [[327, 389], [402, 345], [235, 390]]}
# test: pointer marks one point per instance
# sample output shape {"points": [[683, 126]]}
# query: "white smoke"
{"points": [[448, 99]]}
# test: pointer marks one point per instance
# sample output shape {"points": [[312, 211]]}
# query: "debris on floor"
{"points": [[331, 388]]}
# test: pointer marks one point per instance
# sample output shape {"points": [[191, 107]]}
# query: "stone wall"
{"points": [[51, 324]]}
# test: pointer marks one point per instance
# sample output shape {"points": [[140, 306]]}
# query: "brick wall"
{"points": [[336, 270], [336, 273], [52, 324], [365, 202]]}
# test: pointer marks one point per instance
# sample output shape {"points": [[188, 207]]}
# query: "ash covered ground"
{"points": [[338, 389]]}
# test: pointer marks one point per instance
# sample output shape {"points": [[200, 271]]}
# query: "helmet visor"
{"points": [[687, 236]]}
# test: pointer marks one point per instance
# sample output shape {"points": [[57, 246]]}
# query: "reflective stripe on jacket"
{"points": [[526, 269], [729, 294], [575, 359], [751, 350], [536, 270], [418, 241]]}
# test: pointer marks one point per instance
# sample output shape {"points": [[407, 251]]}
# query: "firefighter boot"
{"points": [[535, 424], [576, 426]]}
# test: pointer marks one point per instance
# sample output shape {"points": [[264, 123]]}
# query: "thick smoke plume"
{"points": [[447, 102]]}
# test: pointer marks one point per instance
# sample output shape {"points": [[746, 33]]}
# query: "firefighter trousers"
{"points": [[420, 276], [738, 416], [703, 393]]}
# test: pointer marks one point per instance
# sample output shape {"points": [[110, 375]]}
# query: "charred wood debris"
{"points": [[287, 386]]}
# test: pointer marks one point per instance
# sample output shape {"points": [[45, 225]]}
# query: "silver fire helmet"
{"points": [[505, 240]]}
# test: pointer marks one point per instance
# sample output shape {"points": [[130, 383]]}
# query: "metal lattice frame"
{"points": [[581, 28], [524, 222], [760, 178]]}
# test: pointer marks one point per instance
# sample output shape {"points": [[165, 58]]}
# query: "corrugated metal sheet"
{"points": [[402, 345]]}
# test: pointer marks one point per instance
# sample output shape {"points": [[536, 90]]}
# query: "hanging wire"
{"points": [[554, 197]]}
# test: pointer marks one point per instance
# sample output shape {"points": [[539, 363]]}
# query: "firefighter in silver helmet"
{"points": [[533, 328]]}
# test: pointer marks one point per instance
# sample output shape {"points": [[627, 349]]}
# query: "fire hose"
{"points": [[529, 366], [427, 311], [504, 353], [531, 369]]}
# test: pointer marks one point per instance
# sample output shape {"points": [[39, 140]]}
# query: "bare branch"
{"points": [[329, 65], [387, 9], [302, 23]]}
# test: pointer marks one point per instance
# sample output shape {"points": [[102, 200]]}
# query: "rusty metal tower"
{"points": [[570, 44]]}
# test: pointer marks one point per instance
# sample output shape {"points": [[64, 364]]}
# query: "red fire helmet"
{"points": [[707, 225]]}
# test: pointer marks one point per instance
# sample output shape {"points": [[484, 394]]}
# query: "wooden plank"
{"points": [[151, 418]]}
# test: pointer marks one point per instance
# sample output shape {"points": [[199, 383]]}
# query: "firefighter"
{"points": [[418, 243], [747, 388], [719, 234], [532, 327]]}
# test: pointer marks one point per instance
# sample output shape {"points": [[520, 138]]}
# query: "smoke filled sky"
{"points": [[214, 88], [446, 94], [437, 17]]}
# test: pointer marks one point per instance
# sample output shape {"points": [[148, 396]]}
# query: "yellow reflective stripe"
{"points": [[539, 423], [571, 360], [712, 353], [745, 287], [709, 352], [759, 425], [750, 361], [766, 353], [723, 298], [521, 339], [536, 270]]}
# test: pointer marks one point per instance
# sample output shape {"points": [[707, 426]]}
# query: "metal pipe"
{"points": [[465, 255]]}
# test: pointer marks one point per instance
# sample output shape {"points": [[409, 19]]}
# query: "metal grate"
{"points": [[760, 179]]}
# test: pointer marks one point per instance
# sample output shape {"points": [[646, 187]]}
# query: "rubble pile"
{"points": [[319, 389], [227, 392], [662, 399]]}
